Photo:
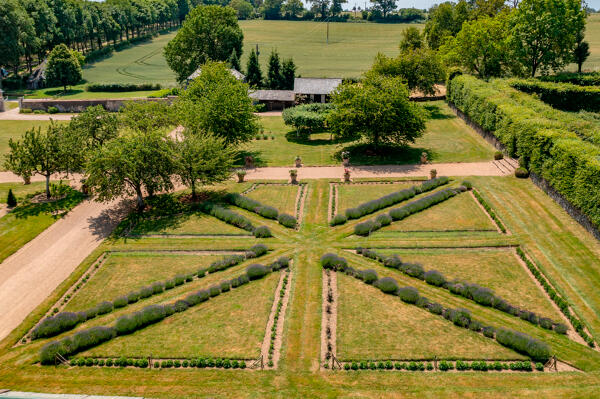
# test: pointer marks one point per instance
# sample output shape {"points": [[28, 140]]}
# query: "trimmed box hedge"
{"points": [[564, 96]]}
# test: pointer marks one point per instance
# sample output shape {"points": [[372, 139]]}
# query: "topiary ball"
{"points": [[387, 285], [256, 271]]}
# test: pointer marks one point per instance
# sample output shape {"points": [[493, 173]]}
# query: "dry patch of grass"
{"points": [[281, 197], [373, 325], [352, 195], [190, 223]]}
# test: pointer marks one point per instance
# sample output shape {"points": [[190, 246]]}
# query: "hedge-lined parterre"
{"points": [[257, 207], [233, 218]]}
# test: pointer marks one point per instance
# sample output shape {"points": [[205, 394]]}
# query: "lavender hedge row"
{"points": [[259, 208]]}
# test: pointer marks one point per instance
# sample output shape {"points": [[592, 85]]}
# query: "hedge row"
{"points": [[121, 87], [235, 219], [257, 207], [143, 363], [65, 321], [581, 79], [490, 211], [276, 319], [558, 299], [546, 140], [375, 205], [371, 225], [482, 295], [444, 365], [130, 323], [522, 343], [564, 96], [308, 117]]}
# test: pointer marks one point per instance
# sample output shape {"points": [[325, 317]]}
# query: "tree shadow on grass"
{"points": [[240, 160], [54, 208], [292, 137], [435, 112], [62, 93], [365, 154]]}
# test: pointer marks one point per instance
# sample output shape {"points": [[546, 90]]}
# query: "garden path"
{"points": [[32, 273]]}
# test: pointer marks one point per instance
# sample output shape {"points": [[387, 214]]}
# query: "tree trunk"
{"points": [[579, 65], [48, 185], [140, 199], [194, 196]]}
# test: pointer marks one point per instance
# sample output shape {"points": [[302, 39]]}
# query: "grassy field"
{"points": [[498, 270], [375, 326], [446, 139], [283, 198], [78, 92], [21, 190], [230, 326], [592, 36], [192, 224], [458, 213], [352, 195]]}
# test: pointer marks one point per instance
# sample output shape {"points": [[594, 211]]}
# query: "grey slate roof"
{"points": [[316, 85], [237, 74], [273, 95]]}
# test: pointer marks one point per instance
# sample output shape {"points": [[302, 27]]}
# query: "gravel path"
{"points": [[31, 274], [14, 115]]}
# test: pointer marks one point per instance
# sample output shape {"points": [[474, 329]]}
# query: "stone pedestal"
{"points": [[2, 109]]}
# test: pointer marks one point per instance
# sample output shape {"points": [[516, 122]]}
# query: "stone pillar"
{"points": [[2, 109]]}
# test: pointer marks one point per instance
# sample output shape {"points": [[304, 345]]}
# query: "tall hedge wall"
{"points": [[564, 96], [581, 79], [548, 141]]}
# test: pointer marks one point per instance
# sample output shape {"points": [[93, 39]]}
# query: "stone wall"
{"points": [[73, 106], [539, 181]]}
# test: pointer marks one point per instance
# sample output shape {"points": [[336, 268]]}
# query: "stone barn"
{"points": [[315, 90], [274, 100]]}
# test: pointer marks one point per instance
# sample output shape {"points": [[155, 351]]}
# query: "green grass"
{"points": [[21, 191], [28, 220], [192, 223], [497, 269], [446, 139], [14, 130], [283, 198], [126, 272], [352, 195], [376, 326], [458, 213], [228, 325], [78, 92], [563, 249]]}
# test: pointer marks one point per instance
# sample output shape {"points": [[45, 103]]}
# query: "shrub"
{"points": [[413, 270], [145, 292], [339, 219], [267, 212], [287, 220], [225, 286], [564, 96], [521, 173], [214, 290], [408, 294], [483, 296], [80, 341], [169, 284], [259, 249], [352, 213], [384, 219], [539, 366], [467, 184], [523, 343], [498, 155], [158, 287], [388, 285], [445, 366], [52, 110], [369, 276], [227, 216], [433, 277], [256, 271], [57, 324], [366, 228], [435, 308], [262, 232], [393, 262], [179, 280], [11, 200], [560, 328], [104, 307], [489, 331], [333, 262], [120, 87]]}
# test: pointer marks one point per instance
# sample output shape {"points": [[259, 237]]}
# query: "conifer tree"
{"points": [[11, 201], [274, 78], [234, 61], [253, 72], [288, 73]]}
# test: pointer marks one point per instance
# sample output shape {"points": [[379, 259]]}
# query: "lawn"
{"points": [[497, 269], [126, 272], [352, 195], [461, 212], [21, 190], [375, 326], [196, 223], [14, 130], [78, 92], [27, 220], [380, 326], [446, 139], [281, 197], [228, 325]]}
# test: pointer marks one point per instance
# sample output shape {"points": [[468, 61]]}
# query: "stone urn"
{"points": [[294, 176], [346, 176], [249, 161], [298, 162], [432, 174], [424, 157], [345, 158], [240, 175]]}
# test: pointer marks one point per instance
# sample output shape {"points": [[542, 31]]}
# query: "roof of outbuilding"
{"points": [[273, 95], [237, 74], [316, 85]]}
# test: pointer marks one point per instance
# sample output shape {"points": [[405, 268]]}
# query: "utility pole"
{"points": [[257, 52], [327, 31]]}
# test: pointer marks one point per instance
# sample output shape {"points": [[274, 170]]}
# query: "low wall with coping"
{"points": [[73, 106]]}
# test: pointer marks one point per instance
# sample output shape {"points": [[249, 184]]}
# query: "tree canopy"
{"points": [[377, 110], [209, 33], [63, 68]]}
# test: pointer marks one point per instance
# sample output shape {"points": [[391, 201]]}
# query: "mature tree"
{"points": [[63, 67], [411, 39], [217, 103], [581, 51], [95, 125], [421, 69], [378, 111], [544, 33], [147, 116], [202, 159], [385, 6], [40, 152], [320, 7], [209, 33], [288, 74], [253, 72], [488, 8], [336, 7], [445, 20], [480, 47], [234, 61], [183, 8], [130, 164], [274, 77], [242, 8], [45, 25], [292, 9], [271, 9], [16, 28]]}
